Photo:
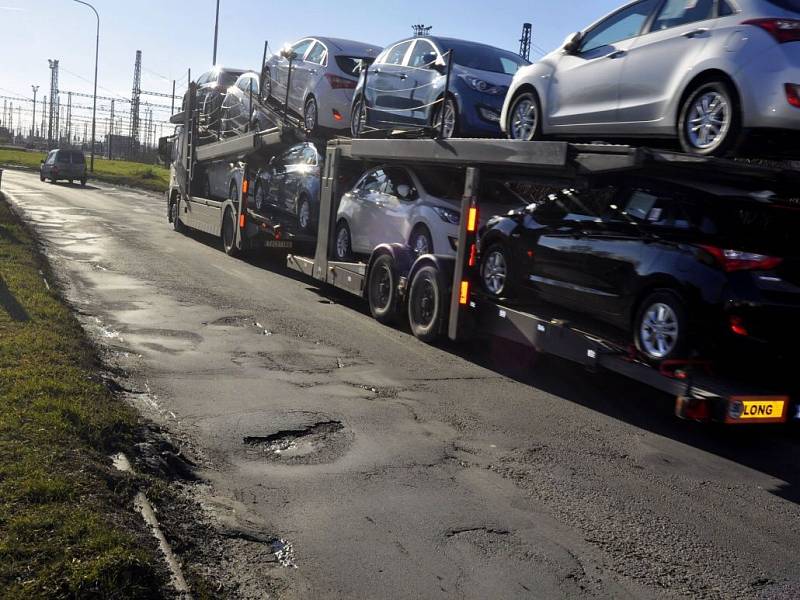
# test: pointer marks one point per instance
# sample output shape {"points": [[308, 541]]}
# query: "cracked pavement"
{"points": [[398, 470]]}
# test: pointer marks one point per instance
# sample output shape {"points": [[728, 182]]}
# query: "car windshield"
{"points": [[793, 5], [484, 58], [352, 64], [228, 78], [62, 157]]}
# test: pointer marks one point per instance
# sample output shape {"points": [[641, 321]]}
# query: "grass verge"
{"points": [[117, 172], [67, 525]]}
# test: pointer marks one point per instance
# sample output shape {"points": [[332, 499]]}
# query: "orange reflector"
{"points": [[245, 186], [241, 221], [472, 219], [337, 115], [464, 296], [473, 251]]}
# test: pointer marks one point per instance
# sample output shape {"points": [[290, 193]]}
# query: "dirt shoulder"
{"points": [[68, 527]]}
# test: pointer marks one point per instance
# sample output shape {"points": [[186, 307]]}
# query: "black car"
{"points": [[243, 109], [211, 89], [68, 165], [290, 186], [679, 268]]}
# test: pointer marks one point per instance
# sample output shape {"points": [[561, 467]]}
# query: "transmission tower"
{"points": [[421, 30], [69, 118], [525, 41], [44, 117], [135, 98], [52, 123]]}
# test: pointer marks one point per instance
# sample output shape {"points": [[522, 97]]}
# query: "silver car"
{"points": [[420, 208], [324, 75], [707, 72]]}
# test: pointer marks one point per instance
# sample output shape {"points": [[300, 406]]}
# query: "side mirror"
{"points": [[436, 63], [42, 161], [573, 42], [289, 54], [406, 192]]}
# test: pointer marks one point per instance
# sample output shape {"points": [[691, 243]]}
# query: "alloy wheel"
{"points": [[420, 244], [659, 330], [708, 120], [524, 119], [261, 198], [359, 118], [304, 216], [449, 120], [494, 272], [343, 243], [310, 116]]}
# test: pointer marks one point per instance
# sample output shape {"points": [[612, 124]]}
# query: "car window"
{"points": [[293, 156], [203, 78], [352, 64], [227, 79], [421, 50], [62, 157], [51, 158], [725, 9], [793, 5], [483, 57], [372, 181], [318, 54], [254, 86], [397, 53], [622, 25], [587, 206], [301, 47], [78, 158], [394, 178], [675, 13]]}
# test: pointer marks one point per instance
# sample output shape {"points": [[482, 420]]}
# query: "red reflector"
{"points": [[340, 83], [473, 252], [783, 30], [337, 115], [241, 221], [793, 94], [737, 326], [472, 219], [530, 253], [737, 260], [463, 297]]}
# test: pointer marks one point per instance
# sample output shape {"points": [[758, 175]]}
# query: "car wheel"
{"points": [[496, 271], [72, 182], [427, 299], [41, 177], [450, 119], [83, 182], [310, 115], [261, 199], [420, 241], [229, 234], [359, 118], [524, 117], [660, 327], [304, 214], [382, 290], [344, 246], [709, 122]]}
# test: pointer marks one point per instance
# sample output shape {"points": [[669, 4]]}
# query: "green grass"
{"points": [[67, 525], [118, 172]]}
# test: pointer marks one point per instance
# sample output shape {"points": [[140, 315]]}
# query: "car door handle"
{"points": [[403, 76], [377, 71], [696, 33], [617, 54], [312, 71]]}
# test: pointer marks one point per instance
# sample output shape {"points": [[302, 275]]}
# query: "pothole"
{"points": [[318, 442]]}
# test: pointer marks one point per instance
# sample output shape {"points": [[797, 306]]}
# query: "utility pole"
{"points": [[136, 95], [96, 55], [44, 117], [52, 127], [35, 89], [172, 110], [216, 35], [69, 118], [525, 41], [110, 130]]}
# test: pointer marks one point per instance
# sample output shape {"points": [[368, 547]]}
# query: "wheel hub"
{"points": [[659, 330], [709, 120], [524, 120]]}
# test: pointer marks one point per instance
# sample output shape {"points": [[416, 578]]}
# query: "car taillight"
{"points": [[736, 260], [793, 94], [340, 83], [783, 30]]}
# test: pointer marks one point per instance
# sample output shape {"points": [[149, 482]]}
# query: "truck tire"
{"points": [[229, 234], [427, 304], [382, 293], [174, 215]]}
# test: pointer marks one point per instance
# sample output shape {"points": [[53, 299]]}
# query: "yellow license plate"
{"points": [[767, 409]]}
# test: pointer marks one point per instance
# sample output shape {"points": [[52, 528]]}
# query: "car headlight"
{"points": [[447, 215], [479, 85]]}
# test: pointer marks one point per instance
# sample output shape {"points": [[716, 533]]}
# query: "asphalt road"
{"points": [[399, 470]]}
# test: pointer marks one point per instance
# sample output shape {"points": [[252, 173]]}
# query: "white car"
{"points": [[324, 76], [420, 208], [710, 73]]}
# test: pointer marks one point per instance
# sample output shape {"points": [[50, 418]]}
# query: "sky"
{"points": [[176, 35]]}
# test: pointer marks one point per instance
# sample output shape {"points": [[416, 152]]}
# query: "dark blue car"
{"points": [[406, 84]]}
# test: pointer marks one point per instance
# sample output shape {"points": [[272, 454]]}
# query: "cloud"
{"points": [[14, 8]]}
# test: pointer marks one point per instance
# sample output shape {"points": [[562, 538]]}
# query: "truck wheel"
{"points": [[382, 290], [229, 234], [83, 182], [174, 215], [427, 301]]}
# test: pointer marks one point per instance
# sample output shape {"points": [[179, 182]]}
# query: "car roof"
{"points": [[347, 46]]}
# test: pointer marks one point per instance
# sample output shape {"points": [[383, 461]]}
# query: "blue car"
{"points": [[405, 88]]}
